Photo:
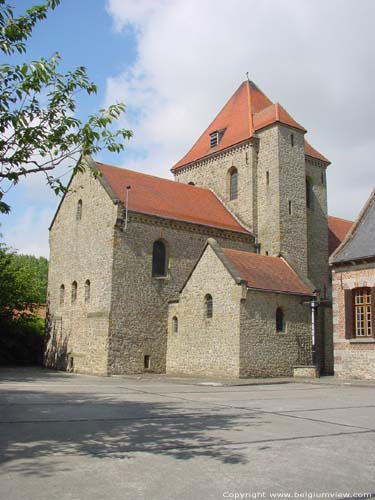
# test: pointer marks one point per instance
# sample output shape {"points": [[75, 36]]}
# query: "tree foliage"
{"points": [[38, 126], [23, 281]]}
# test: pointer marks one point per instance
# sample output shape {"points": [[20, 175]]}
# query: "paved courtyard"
{"points": [[74, 437]]}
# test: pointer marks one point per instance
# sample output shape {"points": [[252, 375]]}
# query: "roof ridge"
{"points": [[190, 186], [340, 218]]}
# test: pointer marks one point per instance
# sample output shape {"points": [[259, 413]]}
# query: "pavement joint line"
{"points": [[299, 417], [211, 445], [246, 410], [116, 419], [222, 405]]}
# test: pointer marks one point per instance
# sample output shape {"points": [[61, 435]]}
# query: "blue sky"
{"points": [[175, 64]]}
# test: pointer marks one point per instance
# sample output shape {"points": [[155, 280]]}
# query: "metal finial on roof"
{"points": [[247, 76]]}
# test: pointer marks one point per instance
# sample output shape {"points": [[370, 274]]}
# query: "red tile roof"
{"points": [[263, 272], [337, 230], [310, 151], [169, 199], [247, 111]]}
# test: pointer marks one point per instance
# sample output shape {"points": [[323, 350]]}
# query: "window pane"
{"points": [[233, 185], [362, 312], [159, 259]]}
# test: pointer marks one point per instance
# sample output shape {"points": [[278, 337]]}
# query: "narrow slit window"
{"points": [[290, 207], [280, 323], [79, 210], [267, 178], [292, 140], [175, 324], [233, 183], [87, 291], [62, 295], [308, 193], [74, 292], [209, 306]]}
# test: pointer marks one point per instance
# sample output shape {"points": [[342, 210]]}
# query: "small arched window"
{"points": [[175, 324], [308, 193], [233, 183], [79, 210], [62, 295], [209, 305], [74, 291], [87, 290], [280, 323], [159, 259]]}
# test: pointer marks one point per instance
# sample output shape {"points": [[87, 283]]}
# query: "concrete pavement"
{"points": [[74, 437]]}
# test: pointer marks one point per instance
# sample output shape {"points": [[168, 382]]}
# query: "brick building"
{"points": [[353, 274], [124, 244]]}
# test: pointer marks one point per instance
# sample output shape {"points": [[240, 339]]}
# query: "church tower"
{"points": [[255, 158]]}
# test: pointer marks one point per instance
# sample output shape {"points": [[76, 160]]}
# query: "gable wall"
{"points": [[140, 302], [265, 352], [212, 173], [353, 358], [80, 251], [206, 346]]}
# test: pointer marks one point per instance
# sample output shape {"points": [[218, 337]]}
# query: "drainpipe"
{"points": [[314, 304], [128, 188]]}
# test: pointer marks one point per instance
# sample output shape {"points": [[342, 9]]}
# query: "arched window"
{"points": [[175, 324], [209, 305], [62, 295], [74, 291], [79, 210], [191, 183], [280, 324], [233, 183], [159, 259], [87, 290], [308, 193]]}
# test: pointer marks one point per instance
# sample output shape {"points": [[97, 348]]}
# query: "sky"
{"points": [[175, 63]]}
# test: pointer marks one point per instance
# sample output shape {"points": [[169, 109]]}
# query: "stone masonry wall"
{"points": [[212, 173], [317, 228], [265, 352], [139, 318], [206, 346], [318, 269], [268, 190], [293, 227], [81, 250], [354, 358]]}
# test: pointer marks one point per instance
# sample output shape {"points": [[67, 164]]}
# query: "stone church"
{"points": [[213, 273]]}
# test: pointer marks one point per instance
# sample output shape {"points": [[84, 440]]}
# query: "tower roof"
{"points": [[246, 112]]}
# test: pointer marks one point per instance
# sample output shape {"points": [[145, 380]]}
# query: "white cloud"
{"points": [[315, 58]]}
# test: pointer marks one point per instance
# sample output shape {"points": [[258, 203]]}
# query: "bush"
{"points": [[21, 341]]}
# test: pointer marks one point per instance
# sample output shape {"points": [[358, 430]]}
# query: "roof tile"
{"points": [[169, 199], [263, 272], [337, 230], [247, 111]]}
